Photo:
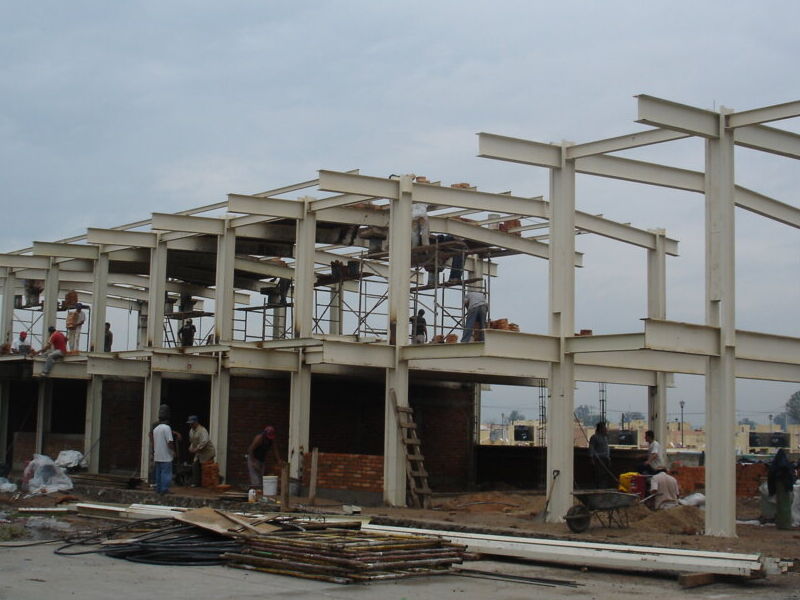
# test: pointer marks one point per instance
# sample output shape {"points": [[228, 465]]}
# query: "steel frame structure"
{"points": [[224, 258]]}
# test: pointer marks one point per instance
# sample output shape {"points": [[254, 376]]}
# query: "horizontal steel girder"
{"points": [[183, 363], [117, 367]]}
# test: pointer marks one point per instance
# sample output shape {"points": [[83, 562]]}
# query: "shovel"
{"points": [[540, 518]]}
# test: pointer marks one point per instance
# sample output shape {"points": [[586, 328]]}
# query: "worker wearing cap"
{"points": [[55, 348], [21, 345], [263, 442], [200, 445]]}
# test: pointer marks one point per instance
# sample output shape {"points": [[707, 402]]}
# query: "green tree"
{"points": [[781, 420], [747, 421], [516, 416], [793, 407]]}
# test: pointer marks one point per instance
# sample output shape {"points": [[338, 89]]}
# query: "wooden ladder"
{"points": [[416, 475]]}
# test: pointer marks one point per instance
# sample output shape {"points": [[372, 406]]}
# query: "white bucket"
{"points": [[270, 485]]}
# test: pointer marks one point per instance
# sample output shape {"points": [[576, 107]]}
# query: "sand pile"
{"points": [[686, 520], [504, 502]]}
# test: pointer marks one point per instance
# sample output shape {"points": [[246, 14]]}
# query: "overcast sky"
{"points": [[112, 110]]}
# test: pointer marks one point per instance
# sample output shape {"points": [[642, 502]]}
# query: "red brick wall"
{"points": [[355, 472], [748, 478], [254, 403], [24, 442], [444, 421], [121, 438]]}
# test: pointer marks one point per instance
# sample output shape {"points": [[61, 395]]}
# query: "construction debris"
{"points": [[341, 556], [607, 556]]}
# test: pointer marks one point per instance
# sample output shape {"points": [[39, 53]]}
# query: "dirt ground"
{"points": [[512, 513], [682, 527]]}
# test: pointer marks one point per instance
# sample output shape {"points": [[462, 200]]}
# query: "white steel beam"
{"points": [[92, 422], [615, 342], [117, 367], [768, 139], [218, 414], [98, 333], [138, 239], [678, 117], [480, 201], [623, 233], [595, 373], [776, 112], [484, 369], [21, 261], [183, 363], [239, 357], [150, 403], [337, 201], [645, 360], [687, 338], [517, 150], [264, 268], [639, 171], [351, 353], [345, 183], [50, 304], [268, 207], [185, 223], [766, 347], [62, 369], [65, 250], [624, 142], [767, 207], [753, 369]]}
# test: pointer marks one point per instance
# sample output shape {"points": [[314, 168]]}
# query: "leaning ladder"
{"points": [[416, 475]]}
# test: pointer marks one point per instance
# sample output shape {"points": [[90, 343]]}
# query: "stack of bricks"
{"points": [[355, 472], [690, 479], [748, 478]]}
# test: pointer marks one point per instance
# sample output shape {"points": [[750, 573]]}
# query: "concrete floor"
{"points": [[35, 573]]}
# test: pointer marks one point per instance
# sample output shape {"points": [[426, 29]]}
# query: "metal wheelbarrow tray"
{"points": [[610, 507]]}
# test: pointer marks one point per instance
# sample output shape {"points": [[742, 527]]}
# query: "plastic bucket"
{"points": [[270, 485]]}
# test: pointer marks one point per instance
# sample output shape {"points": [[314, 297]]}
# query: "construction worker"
{"points": [[419, 328], [263, 442], [21, 345], [200, 445], [186, 333], [75, 321], [477, 309], [55, 348]]}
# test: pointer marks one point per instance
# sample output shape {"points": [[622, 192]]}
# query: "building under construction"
{"points": [[302, 297]]}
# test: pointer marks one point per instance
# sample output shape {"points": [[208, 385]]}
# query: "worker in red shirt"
{"points": [[55, 348]]}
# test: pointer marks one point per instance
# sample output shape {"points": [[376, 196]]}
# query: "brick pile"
{"points": [[357, 472], [748, 478]]}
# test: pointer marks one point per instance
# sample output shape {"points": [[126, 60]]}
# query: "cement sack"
{"points": [[46, 477], [6, 486], [71, 458], [697, 499]]}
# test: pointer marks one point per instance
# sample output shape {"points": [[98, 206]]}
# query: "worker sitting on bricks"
{"points": [[200, 445]]}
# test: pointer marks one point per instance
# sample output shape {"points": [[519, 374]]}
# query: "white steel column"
{"points": [[155, 338], [94, 388], [394, 462], [50, 306], [720, 312], [303, 317], [158, 287], [336, 309], [657, 309], [92, 420], [43, 401], [560, 446], [223, 332], [150, 404], [7, 315]]}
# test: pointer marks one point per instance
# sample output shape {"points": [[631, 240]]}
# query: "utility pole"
{"points": [[682, 404]]}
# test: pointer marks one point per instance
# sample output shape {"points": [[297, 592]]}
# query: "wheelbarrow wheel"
{"points": [[578, 518]]}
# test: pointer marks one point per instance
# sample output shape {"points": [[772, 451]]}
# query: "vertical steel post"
{"points": [[562, 324], [720, 312], [303, 323], [394, 463], [657, 309]]}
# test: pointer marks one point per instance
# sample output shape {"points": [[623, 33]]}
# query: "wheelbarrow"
{"points": [[610, 507]]}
